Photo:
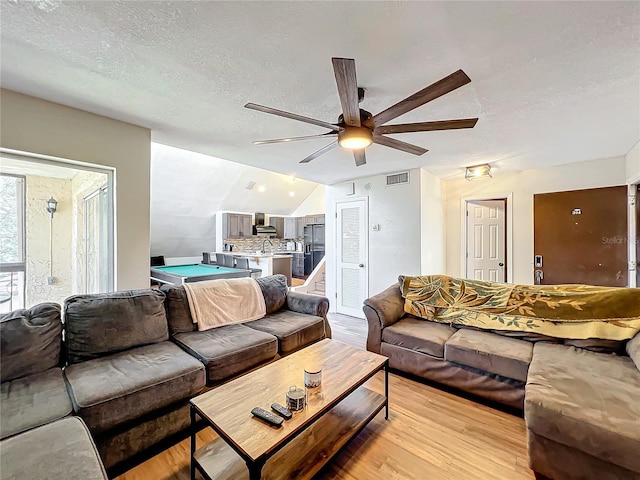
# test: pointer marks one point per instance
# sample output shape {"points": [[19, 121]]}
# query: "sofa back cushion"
{"points": [[98, 325], [178, 312], [30, 341], [274, 289]]}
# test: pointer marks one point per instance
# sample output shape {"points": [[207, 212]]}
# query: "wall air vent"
{"points": [[397, 178]]}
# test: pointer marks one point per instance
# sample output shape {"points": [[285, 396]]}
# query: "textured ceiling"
{"points": [[552, 82]]}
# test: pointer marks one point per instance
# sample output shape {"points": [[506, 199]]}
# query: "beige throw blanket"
{"points": [[215, 303]]}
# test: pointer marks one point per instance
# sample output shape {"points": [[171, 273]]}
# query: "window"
{"points": [[12, 242], [96, 214], [44, 257]]}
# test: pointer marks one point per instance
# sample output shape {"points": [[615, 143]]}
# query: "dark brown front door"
{"points": [[581, 236]]}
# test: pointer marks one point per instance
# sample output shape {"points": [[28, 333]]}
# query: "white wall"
{"points": [[575, 176], [432, 236], [315, 203], [188, 188], [33, 125], [633, 164], [393, 250]]}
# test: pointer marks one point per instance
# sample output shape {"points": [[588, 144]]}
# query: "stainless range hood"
{"points": [[264, 230], [261, 229]]}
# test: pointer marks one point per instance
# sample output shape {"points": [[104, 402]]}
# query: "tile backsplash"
{"points": [[254, 244]]}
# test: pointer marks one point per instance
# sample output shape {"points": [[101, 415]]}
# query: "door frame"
{"points": [[633, 229], [508, 217], [338, 243]]}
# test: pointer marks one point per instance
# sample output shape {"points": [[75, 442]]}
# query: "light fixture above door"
{"points": [[478, 171]]}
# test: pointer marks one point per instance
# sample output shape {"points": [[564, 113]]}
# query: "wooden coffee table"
{"points": [[336, 411]]}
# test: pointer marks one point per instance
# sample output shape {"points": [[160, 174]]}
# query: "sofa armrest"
{"points": [[382, 310], [310, 305]]}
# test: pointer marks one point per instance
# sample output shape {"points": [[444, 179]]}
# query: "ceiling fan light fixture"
{"points": [[355, 138]]}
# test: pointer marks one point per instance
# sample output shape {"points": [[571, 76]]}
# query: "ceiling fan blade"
{"points": [[293, 139], [399, 145], [345, 72], [360, 157], [322, 151], [433, 91], [427, 126], [292, 116]]}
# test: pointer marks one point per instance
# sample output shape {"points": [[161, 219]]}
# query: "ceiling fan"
{"points": [[357, 129]]}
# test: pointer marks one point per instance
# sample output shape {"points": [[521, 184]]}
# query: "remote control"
{"points": [[282, 411], [267, 416]]}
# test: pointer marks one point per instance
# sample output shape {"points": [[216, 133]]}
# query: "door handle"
{"points": [[538, 275], [501, 264], [361, 265]]}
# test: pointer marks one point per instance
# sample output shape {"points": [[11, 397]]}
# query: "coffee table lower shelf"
{"points": [[307, 453]]}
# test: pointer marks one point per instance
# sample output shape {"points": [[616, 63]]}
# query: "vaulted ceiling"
{"points": [[552, 82]]}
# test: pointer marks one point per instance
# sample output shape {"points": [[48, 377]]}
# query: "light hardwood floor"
{"points": [[430, 434]]}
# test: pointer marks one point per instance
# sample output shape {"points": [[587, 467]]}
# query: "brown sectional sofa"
{"points": [[293, 321], [133, 361], [35, 406], [420, 347], [581, 407], [62, 449], [125, 377]]}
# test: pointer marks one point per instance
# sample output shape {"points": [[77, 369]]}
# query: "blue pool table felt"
{"points": [[195, 270]]}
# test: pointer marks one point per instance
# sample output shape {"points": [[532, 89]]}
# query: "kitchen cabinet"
{"points": [[314, 219], [297, 266], [299, 227], [236, 225], [278, 222], [290, 227], [294, 227]]}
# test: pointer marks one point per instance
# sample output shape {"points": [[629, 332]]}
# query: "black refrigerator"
{"points": [[313, 247]]}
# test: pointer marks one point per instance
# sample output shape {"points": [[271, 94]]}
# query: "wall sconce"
{"points": [[52, 205], [477, 171]]}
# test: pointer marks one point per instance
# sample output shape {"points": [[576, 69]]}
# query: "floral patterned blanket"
{"points": [[564, 311]]}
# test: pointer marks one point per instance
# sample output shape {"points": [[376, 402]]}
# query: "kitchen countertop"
{"points": [[277, 254]]}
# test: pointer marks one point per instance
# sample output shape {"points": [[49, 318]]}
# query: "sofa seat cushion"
{"points": [[420, 335], [228, 350], [490, 352], [111, 390], [32, 401], [585, 400], [294, 330], [62, 450]]}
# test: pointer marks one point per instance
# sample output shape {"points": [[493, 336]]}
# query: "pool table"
{"points": [[178, 274]]}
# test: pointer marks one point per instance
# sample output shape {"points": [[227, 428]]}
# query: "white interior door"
{"points": [[486, 256], [352, 282]]}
